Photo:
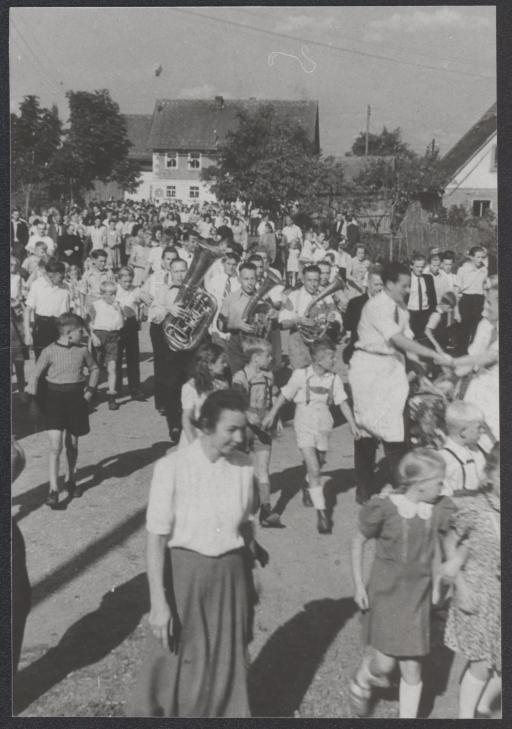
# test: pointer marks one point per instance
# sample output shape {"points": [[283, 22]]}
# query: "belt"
{"points": [[46, 318]]}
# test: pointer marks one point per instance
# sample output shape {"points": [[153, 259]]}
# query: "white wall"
{"points": [[182, 190], [144, 190], [479, 172]]}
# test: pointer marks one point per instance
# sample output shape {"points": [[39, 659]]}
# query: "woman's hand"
{"points": [[267, 421], [159, 623], [95, 341], [361, 598]]}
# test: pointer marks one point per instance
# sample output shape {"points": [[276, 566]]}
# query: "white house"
{"points": [[471, 167]]}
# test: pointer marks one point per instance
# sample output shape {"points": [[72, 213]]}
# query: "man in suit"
{"points": [[337, 228], [422, 297], [19, 234], [354, 309]]}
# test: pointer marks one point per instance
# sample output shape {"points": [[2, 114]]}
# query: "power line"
{"points": [[330, 46], [37, 60], [369, 43], [35, 63]]}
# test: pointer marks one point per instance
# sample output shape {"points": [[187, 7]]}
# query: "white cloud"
{"points": [[299, 23], [206, 91], [425, 20]]}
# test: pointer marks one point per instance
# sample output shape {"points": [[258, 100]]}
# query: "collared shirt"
{"points": [[155, 281], [129, 300], [378, 324], [165, 296], [292, 232], [233, 308], [98, 236], [185, 256], [441, 284], [48, 300], [201, 504], [359, 271], [217, 287], [464, 467], [106, 317], [470, 279], [155, 258], [306, 386], [418, 284], [449, 281], [90, 283]]}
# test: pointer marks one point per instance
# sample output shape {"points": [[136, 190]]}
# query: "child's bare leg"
{"points": [[111, 377], [55, 438], [313, 477], [411, 687], [261, 471], [471, 688], [71, 442]]}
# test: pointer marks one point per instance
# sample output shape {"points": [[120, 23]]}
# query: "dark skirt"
{"points": [[66, 409], [208, 676]]}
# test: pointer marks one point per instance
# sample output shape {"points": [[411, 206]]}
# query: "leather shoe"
{"points": [[269, 518], [323, 523], [52, 500], [174, 435], [138, 395], [306, 497]]}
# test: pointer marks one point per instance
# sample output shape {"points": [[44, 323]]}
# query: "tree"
{"points": [[410, 177], [385, 143], [272, 162], [96, 144], [35, 140]]}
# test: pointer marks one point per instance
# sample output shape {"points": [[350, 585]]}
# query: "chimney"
{"points": [[219, 103]]}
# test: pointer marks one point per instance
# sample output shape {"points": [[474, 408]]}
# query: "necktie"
{"points": [[420, 294], [227, 288]]}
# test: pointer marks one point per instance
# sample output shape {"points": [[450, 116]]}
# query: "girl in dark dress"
{"points": [[396, 603]]}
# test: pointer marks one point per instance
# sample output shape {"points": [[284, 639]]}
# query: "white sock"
{"points": [[409, 699], [469, 695], [491, 692], [317, 497]]}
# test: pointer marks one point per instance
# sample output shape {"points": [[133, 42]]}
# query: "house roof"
{"points": [[182, 124], [138, 127], [470, 143]]}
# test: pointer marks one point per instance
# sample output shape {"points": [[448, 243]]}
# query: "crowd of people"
{"points": [[277, 307]]}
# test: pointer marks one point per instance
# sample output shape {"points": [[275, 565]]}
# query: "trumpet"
{"points": [[320, 324], [256, 311]]}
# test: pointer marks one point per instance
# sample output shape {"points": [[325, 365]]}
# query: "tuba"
{"points": [[320, 325], [256, 312], [186, 331]]}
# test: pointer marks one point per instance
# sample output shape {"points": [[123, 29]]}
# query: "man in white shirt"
{"points": [[187, 250], [98, 234], [41, 235], [292, 316], [220, 285], [263, 223]]}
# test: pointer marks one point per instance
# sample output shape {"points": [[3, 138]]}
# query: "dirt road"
{"points": [[86, 565]]}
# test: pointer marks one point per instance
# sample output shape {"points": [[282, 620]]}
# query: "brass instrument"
{"points": [[320, 324], [186, 331], [256, 311]]}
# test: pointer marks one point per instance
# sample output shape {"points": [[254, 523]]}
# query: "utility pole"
{"points": [[368, 115]]}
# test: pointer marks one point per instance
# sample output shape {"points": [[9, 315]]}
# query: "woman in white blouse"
{"points": [[201, 504]]}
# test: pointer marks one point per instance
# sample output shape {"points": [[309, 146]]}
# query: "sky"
{"points": [[429, 70]]}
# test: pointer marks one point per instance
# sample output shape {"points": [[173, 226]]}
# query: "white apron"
{"points": [[379, 389]]}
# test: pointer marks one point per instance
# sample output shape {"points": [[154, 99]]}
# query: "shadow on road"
{"points": [[290, 481], [283, 671], [116, 466], [86, 642]]}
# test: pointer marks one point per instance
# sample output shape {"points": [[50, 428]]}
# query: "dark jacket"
{"points": [[22, 232], [351, 322]]}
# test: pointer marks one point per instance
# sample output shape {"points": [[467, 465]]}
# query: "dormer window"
{"points": [[171, 160], [194, 160]]}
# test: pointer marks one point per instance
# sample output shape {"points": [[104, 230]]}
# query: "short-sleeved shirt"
{"points": [[165, 296], [90, 283], [382, 319], [48, 300], [201, 504], [233, 308], [305, 386], [470, 279]]}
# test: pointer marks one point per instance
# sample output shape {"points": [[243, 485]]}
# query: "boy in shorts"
{"points": [[257, 382], [66, 401], [106, 324], [313, 389]]}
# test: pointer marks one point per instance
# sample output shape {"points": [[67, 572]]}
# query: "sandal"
{"points": [[359, 697]]}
